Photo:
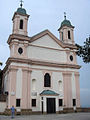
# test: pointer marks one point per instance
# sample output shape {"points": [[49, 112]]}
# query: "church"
{"points": [[41, 74]]}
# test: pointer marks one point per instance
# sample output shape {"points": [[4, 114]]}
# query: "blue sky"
{"points": [[48, 14]]}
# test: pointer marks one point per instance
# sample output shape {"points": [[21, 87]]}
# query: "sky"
{"points": [[48, 14]]}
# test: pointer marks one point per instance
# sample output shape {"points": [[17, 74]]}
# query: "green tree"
{"points": [[84, 51]]}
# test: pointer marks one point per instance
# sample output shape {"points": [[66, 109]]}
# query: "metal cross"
{"points": [[21, 3], [65, 15]]}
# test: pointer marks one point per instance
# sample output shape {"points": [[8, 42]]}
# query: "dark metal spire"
{"points": [[65, 15], [21, 3]]}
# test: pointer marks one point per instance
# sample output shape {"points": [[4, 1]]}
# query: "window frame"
{"points": [[47, 80], [74, 102], [60, 102], [21, 24], [62, 35], [69, 34], [33, 102], [18, 102]]}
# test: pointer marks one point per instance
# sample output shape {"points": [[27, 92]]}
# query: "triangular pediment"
{"points": [[46, 39]]}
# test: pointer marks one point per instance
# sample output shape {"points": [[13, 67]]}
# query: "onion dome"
{"points": [[21, 11], [65, 22]]}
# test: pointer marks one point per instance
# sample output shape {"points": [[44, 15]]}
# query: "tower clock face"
{"points": [[20, 50]]}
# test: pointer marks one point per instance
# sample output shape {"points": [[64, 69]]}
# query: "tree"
{"points": [[84, 51]]}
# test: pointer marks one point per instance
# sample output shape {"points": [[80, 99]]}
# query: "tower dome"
{"points": [[20, 21], [65, 22], [21, 11]]}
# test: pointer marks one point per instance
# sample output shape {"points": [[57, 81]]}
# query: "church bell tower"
{"points": [[18, 40], [66, 31], [20, 21]]}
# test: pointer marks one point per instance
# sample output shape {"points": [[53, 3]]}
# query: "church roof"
{"points": [[48, 92], [21, 11], [65, 22]]}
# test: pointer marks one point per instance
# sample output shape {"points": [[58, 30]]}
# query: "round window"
{"points": [[71, 57], [20, 50]]}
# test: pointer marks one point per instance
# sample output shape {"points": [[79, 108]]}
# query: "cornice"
{"points": [[36, 37], [16, 13], [18, 37], [41, 63]]}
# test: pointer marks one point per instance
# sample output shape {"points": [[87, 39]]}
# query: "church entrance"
{"points": [[51, 105]]}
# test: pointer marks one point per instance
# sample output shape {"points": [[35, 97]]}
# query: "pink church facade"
{"points": [[41, 73]]}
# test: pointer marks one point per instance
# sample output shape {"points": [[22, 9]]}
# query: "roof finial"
{"points": [[21, 3], [65, 15]]}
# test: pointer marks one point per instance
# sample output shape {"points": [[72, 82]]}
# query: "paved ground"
{"points": [[72, 116]]}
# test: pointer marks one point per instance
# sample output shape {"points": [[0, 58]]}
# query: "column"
{"points": [[67, 89], [26, 95], [77, 90], [12, 87]]}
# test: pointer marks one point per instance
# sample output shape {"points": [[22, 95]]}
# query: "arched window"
{"points": [[69, 36], [21, 24], [47, 80]]}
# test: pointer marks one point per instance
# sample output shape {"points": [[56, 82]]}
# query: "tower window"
{"points": [[69, 36], [74, 102], [21, 24], [62, 35], [71, 57], [20, 50], [17, 102], [47, 80]]}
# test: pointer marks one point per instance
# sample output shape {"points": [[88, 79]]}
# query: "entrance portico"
{"points": [[49, 101]]}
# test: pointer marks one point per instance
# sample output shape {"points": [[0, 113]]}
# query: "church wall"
{"points": [[47, 41], [23, 76], [39, 77], [56, 78], [44, 54], [39, 84]]}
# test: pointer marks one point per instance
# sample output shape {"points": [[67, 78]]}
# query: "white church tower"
{"points": [[66, 31], [20, 21]]}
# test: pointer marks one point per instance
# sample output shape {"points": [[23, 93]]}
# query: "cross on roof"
{"points": [[65, 15], [21, 3]]}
